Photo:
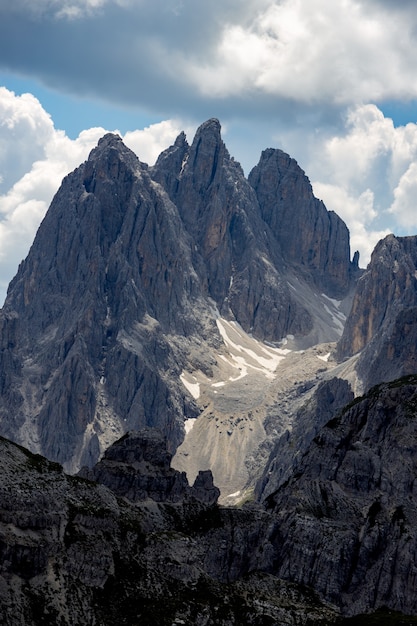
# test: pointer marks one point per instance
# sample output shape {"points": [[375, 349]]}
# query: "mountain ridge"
{"points": [[119, 292], [191, 339]]}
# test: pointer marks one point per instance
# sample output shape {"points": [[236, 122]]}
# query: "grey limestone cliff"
{"points": [[239, 263], [127, 275], [138, 467], [347, 518], [84, 346], [338, 538], [301, 223], [328, 400], [382, 323]]}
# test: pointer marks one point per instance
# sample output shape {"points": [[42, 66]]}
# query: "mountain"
{"points": [[243, 251], [181, 338], [139, 278], [381, 327], [337, 539], [301, 224], [346, 518]]}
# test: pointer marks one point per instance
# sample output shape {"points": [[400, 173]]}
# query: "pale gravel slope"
{"points": [[251, 399]]}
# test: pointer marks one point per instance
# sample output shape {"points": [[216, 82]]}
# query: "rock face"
{"points": [[138, 467], [72, 552], [382, 321], [327, 401], [342, 529], [248, 239], [238, 264], [300, 223], [127, 275], [84, 324], [347, 518]]}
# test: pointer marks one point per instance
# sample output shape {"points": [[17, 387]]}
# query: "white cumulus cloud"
{"points": [[368, 175], [339, 52], [404, 206]]}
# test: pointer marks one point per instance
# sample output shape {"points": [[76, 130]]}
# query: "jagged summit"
{"points": [[108, 139], [129, 272], [300, 222], [112, 143]]}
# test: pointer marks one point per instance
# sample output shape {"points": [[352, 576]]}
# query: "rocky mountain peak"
{"points": [[126, 279], [108, 156], [300, 223], [109, 139], [381, 323]]}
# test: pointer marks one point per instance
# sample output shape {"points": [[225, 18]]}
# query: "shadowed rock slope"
{"points": [[382, 323], [300, 223], [346, 519], [75, 552], [339, 538], [127, 275]]}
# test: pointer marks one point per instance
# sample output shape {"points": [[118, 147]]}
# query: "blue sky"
{"points": [[73, 113], [333, 84]]}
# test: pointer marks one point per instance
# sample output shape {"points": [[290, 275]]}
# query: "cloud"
{"points": [[312, 52], [368, 175], [404, 206], [38, 157], [182, 57], [25, 129], [67, 9], [358, 212], [149, 143]]}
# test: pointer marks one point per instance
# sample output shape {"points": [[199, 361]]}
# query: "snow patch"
{"points": [[250, 352], [189, 423], [337, 316], [191, 385], [324, 357]]}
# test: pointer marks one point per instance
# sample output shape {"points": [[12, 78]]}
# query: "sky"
{"points": [[334, 84]]}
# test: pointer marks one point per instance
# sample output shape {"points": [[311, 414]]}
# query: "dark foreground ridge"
{"points": [[339, 538]]}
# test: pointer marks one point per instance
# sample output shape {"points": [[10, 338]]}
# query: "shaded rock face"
{"points": [[382, 321], [347, 519], [327, 401], [300, 223], [241, 249], [120, 288], [341, 529], [84, 323], [238, 263], [72, 552], [137, 467]]}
